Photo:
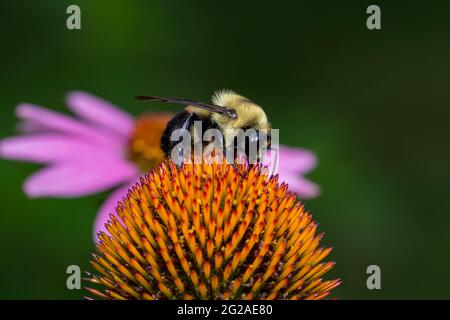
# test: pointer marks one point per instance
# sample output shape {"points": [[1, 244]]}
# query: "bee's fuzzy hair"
{"points": [[221, 97]]}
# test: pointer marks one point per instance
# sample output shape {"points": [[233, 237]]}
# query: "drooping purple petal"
{"points": [[107, 208], [296, 159], [298, 184], [45, 148], [58, 122], [77, 178], [290, 164], [30, 127], [100, 112]]}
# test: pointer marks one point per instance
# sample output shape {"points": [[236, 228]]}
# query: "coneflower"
{"points": [[105, 148], [207, 231]]}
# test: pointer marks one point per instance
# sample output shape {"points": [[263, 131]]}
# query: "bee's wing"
{"points": [[230, 113]]}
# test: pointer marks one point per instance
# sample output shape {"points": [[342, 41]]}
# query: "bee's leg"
{"points": [[235, 166], [180, 157], [237, 169], [275, 162], [233, 163], [186, 124]]}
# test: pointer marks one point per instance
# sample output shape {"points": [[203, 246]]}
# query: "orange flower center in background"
{"points": [[145, 149], [207, 231]]}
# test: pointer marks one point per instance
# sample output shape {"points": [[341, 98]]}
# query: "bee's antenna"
{"points": [[230, 113]]}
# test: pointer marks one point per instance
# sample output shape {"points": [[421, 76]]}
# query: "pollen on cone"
{"points": [[210, 231], [145, 143]]}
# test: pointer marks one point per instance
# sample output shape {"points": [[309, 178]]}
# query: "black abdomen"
{"points": [[182, 119]]}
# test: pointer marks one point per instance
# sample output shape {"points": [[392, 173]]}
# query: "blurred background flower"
{"points": [[87, 155]]}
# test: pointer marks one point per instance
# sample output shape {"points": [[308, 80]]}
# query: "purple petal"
{"points": [[44, 148], [100, 112], [54, 121], [30, 127], [77, 178], [108, 207], [296, 159], [298, 184]]}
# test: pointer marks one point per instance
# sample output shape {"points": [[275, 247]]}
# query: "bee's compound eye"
{"points": [[247, 143], [254, 137]]}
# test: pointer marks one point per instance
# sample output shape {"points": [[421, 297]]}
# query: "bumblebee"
{"points": [[229, 112]]}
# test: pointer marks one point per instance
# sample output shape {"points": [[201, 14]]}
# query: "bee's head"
{"points": [[252, 143], [249, 133], [249, 114]]}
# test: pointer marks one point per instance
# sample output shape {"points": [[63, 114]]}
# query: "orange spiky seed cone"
{"points": [[207, 231]]}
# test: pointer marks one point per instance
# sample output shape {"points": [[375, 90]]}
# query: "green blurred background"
{"points": [[373, 105]]}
